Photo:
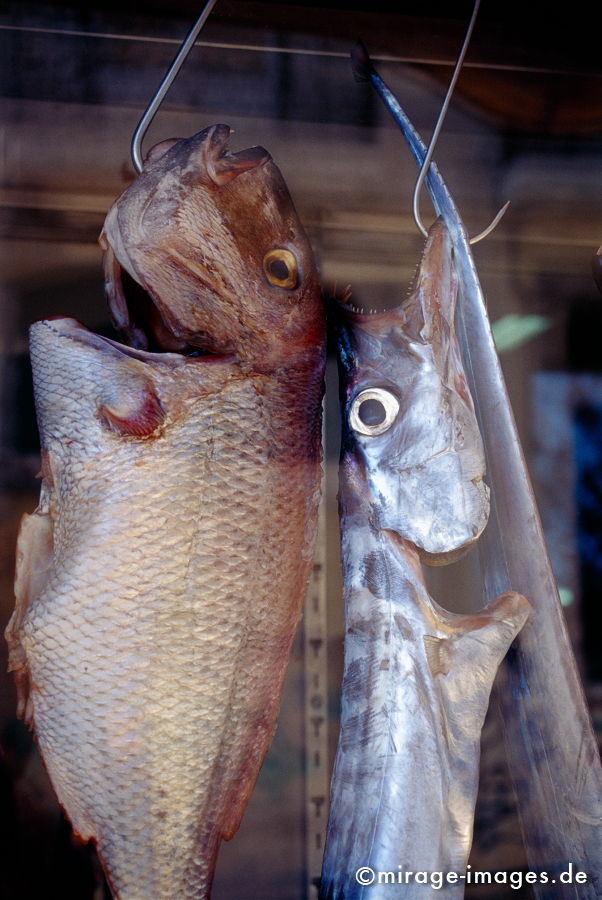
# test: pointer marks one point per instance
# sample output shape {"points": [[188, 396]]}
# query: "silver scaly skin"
{"points": [[552, 751], [417, 678]]}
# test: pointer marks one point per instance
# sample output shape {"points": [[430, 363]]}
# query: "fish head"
{"points": [[93, 393], [205, 250], [412, 449]]}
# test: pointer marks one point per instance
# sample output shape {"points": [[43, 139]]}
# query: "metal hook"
{"points": [[155, 103], [437, 129]]}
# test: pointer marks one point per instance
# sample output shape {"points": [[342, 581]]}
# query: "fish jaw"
{"points": [[423, 475], [214, 241], [116, 388]]}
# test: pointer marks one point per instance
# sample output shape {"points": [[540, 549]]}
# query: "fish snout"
{"points": [[216, 160]]}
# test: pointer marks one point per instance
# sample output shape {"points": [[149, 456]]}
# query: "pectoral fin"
{"points": [[438, 653], [465, 663], [136, 412], [34, 561]]}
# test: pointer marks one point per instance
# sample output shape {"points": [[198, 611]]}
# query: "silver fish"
{"points": [[552, 750], [417, 678], [160, 581]]}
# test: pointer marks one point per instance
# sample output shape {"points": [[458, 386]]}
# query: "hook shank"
{"points": [[439, 124], [155, 103]]}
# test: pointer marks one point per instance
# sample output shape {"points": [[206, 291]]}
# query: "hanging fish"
{"points": [[552, 750], [160, 581], [417, 678]]}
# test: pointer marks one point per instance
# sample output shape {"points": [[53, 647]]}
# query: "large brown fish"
{"points": [[161, 578]]}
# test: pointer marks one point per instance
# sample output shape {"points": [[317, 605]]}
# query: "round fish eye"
{"points": [[373, 411], [280, 268]]}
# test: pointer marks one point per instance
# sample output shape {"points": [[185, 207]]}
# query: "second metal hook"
{"points": [[431, 148], [184, 50]]}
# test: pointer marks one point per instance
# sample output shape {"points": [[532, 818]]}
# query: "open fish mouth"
{"points": [[409, 416], [136, 316], [166, 228], [445, 557], [346, 305], [72, 329]]}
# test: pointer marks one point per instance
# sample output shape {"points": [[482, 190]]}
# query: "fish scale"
{"points": [[155, 653], [417, 678], [160, 581]]}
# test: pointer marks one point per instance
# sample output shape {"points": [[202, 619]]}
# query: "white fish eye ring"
{"points": [[373, 411]]}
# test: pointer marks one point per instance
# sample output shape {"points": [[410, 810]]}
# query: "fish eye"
{"points": [[280, 267], [373, 411]]}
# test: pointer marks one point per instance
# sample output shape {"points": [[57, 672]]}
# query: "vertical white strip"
{"points": [[316, 712]]}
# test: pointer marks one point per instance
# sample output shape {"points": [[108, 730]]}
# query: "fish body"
{"points": [[551, 746], [160, 580], [417, 678]]}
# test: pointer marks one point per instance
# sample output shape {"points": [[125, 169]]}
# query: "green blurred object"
{"points": [[513, 330], [566, 595]]}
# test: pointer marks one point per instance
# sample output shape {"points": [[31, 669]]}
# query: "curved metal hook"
{"points": [[156, 101], [437, 129]]}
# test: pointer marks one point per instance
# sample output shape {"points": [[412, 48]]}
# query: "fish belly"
{"points": [[157, 646]]}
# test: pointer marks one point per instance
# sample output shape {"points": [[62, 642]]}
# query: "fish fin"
{"points": [[138, 419], [438, 654], [35, 546], [241, 795], [472, 656], [247, 769], [222, 166]]}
